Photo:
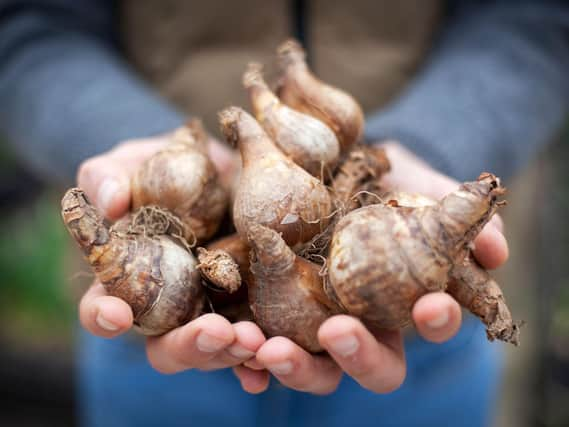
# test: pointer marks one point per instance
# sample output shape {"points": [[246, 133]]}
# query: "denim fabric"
{"points": [[452, 383]]}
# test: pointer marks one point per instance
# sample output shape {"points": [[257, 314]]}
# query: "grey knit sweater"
{"points": [[495, 89]]}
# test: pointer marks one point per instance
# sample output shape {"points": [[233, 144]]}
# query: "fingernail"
{"points": [[345, 345], [105, 324], [440, 321], [106, 193], [283, 368], [240, 352], [209, 344]]}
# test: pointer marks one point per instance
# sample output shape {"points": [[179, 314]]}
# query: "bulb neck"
{"points": [[291, 54], [271, 256], [86, 225], [463, 213], [241, 129]]}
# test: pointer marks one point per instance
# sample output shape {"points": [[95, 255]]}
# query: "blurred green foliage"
{"points": [[33, 296]]}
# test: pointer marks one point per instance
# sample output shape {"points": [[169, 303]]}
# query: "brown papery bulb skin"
{"points": [[473, 287], [237, 248], [287, 298], [384, 257], [301, 90], [273, 190], [356, 183], [234, 306], [306, 140], [154, 275], [182, 179], [219, 268], [470, 284]]}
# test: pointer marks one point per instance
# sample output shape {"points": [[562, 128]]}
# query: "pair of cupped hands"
{"points": [[376, 360]]}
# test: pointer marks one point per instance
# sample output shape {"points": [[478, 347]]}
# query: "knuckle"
{"points": [[228, 360], [183, 359], [213, 365], [339, 325], [312, 379], [156, 359]]}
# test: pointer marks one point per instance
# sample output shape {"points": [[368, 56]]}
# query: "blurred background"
{"points": [[42, 277]]}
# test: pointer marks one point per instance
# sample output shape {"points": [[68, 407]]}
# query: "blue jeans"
{"points": [[450, 384]]}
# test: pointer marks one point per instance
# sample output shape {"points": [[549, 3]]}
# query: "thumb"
{"points": [[224, 158], [106, 178], [107, 184]]}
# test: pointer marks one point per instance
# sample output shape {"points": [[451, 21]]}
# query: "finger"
{"points": [[107, 184], [223, 157], [248, 339], [252, 381], [135, 151], [254, 364], [190, 346], [297, 369], [377, 364], [106, 178], [490, 246], [437, 317], [497, 222], [103, 315], [423, 179]]}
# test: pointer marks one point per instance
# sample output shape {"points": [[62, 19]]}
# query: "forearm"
{"points": [[67, 95], [494, 92]]}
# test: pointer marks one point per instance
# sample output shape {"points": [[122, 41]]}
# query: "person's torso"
{"points": [[195, 52]]}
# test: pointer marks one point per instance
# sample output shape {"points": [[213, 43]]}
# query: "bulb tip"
{"points": [[491, 184], [73, 203], [269, 250], [263, 239], [228, 119], [196, 128], [290, 52], [192, 133], [257, 232], [71, 197], [253, 75]]}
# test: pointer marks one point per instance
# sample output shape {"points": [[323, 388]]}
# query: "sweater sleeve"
{"points": [[495, 90], [66, 95]]}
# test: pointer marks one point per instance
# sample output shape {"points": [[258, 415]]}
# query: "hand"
{"points": [[376, 360], [208, 342]]}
